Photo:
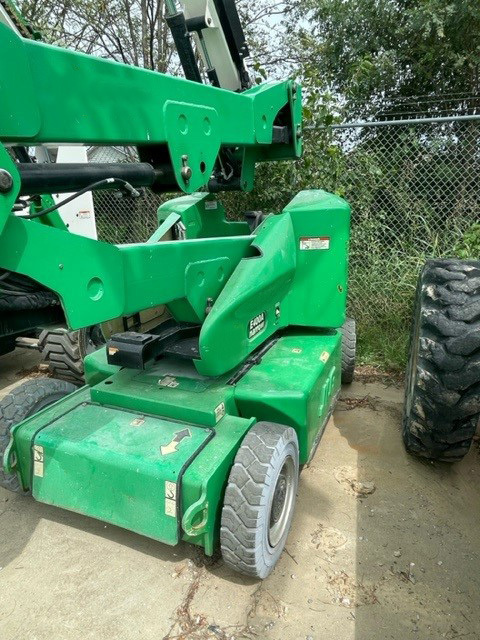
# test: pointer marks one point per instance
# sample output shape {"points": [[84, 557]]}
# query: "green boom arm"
{"points": [[69, 97]]}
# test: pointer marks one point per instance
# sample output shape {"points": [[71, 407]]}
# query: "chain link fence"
{"points": [[414, 189], [413, 186], [122, 220]]}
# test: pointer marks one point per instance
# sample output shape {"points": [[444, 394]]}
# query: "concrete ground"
{"points": [[383, 546]]}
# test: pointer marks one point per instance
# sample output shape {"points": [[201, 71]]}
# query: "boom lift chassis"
{"points": [[196, 430]]}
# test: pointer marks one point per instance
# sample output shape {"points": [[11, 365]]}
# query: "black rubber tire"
{"points": [[349, 349], [65, 350], [247, 509], [442, 387], [22, 402]]}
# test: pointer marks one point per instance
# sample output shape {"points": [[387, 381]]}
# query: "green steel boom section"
{"points": [[70, 97]]}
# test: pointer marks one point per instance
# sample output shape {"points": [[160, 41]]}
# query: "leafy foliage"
{"points": [[366, 52], [468, 245]]}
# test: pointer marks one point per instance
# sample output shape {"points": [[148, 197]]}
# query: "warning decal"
{"points": [[38, 460], [170, 499], [219, 411], [311, 243]]}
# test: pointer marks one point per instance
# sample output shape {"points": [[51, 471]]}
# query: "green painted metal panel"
{"points": [[109, 436], [96, 367], [171, 388], [297, 276], [16, 115], [257, 286], [97, 281], [294, 385], [117, 466], [18, 457], [318, 293], [203, 216], [204, 483]]}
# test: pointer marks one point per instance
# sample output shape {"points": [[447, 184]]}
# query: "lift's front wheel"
{"points": [[22, 402], [259, 499]]}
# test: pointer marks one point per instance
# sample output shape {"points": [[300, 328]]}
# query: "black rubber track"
{"points": [[442, 392], [349, 348], [20, 403]]}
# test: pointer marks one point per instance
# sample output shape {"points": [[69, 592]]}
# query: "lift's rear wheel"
{"points": [[65, 350], [259, 499], [349, 347], [22, 402], [442, 390]]}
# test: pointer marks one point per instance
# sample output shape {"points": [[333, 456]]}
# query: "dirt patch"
{"points": [[328, 540], [367, 402], [348, 478], [38, 371], [350, 593], [368, 373], [401, 562], [188, 625]]}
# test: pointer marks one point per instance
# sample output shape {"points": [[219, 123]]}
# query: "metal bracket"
{"points": [[134, 350], [198, 507]]}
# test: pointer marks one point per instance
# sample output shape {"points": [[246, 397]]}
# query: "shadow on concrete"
{"points": [[417, 561]]}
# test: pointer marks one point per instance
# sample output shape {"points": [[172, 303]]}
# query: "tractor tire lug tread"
{"points": [[442, 397]]}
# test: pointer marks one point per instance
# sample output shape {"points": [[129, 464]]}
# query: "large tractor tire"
{"points": [[65, 350], [260, 499], [349, 349], [22, 402], [442, 393]]}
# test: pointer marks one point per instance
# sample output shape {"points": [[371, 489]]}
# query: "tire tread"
{"points": [[444, 389]]}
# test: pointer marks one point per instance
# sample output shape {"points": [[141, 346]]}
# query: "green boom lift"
{"points": [[196, 430]]}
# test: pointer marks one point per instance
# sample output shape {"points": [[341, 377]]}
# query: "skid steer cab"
{"points": [[196, 429]]}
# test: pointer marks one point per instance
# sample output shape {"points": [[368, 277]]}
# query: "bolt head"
{"points": [[186, 173], [6, 181]]}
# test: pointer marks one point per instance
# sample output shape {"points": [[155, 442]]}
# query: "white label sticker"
{"points": [[170, 499], [38, 460], [219, 411], [311, 243], [256, 324], [325, 356], [210, 205]]}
